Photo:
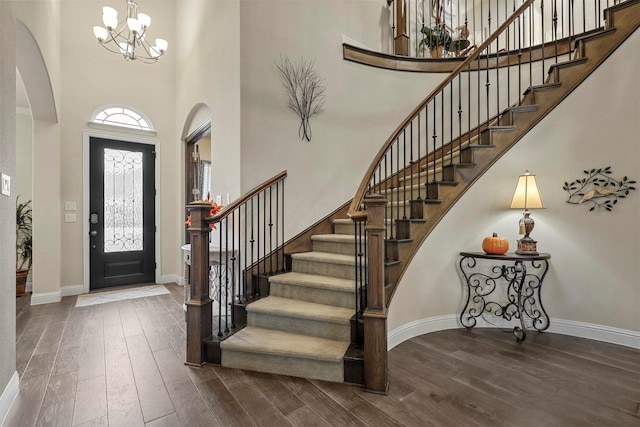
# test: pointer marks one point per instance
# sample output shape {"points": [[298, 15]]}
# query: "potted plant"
{"points": [[437, 38], [24, 244]]}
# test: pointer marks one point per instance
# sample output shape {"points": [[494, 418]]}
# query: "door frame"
{"points": [[84, 214]]}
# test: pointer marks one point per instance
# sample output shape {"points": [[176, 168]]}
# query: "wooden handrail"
{"points": [[357, 200], [246, 197]]}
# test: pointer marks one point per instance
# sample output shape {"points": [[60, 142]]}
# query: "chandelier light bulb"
{"points": [[100, 33], [110, 21], [162, 45], [145, 20], [109, 11], [134, 25]]}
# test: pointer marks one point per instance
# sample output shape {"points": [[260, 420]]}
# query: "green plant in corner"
{"points": [[24, 243]]}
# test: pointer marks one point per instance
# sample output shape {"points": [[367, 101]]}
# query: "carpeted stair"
{"points": [[303, 328]]}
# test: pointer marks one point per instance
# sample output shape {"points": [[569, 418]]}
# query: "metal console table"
{"points": [[523, 275]]}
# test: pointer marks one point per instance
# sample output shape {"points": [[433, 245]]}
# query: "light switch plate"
{"points": [[69, 206], [6, 185], [70, 218]]}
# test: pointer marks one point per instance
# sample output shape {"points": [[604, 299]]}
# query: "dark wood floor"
{"points": [[121, 364]]}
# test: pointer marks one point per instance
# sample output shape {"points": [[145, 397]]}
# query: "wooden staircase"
{"points": [[306, 326]]}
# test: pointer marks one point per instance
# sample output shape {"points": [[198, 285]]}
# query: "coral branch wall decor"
{"points": [[305, 91], [598, 190]]}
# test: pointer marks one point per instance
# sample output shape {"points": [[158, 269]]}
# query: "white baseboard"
{"points": [[68, 291], [421, 327], [170, 278], [56, 296], [9, 396], [591, 331], [46, 297], [608, 334]]}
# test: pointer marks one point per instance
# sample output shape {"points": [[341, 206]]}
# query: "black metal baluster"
{"points": [[419, 160], [555, 28], [270, 231], [531, 44], [584, 17], [264, 232], [255, 291], [487, 84], [519, 31], [284, 265], [435, 139], [226, 272], [543, 35], [459, 77], [411, 161], [404, 175], [218, 276], [450, 126], [277, 255], [233, 269], [244, 266]]}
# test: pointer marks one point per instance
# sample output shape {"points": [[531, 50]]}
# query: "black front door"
{"points": [[121, 213]]}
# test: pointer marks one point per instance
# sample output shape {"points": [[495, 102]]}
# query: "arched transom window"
{"points": [[123, 116]]}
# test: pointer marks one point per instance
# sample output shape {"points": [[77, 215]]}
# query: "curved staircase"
{"points": [[307, 325]]}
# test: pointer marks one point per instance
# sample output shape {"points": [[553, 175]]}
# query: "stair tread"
{"points": [[324, 257], [349, 221], [335, 238], [273, 342], [301, 309], [314, 281]]}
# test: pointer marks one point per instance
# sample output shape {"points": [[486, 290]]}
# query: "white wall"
{"points": [[594, 269]]}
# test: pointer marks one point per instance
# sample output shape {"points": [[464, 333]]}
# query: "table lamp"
{"points": [[527, 197]]}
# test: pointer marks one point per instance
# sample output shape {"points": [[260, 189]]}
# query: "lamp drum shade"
{"points": [[527, 195]]}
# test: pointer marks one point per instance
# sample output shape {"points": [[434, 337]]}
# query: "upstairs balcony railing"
{"points": [[453, 28]]}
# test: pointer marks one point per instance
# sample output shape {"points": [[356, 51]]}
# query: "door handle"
{"points": [[93, 233]]}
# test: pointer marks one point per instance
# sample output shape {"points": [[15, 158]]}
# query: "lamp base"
{"points": [[527, 246]]}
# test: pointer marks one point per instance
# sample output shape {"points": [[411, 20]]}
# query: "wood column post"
{"points": [[375, 315], [199, 324], [401, 40]]}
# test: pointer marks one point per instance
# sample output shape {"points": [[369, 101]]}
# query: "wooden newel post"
{"points": [[375, 315], [199, 304], [401, 40]]}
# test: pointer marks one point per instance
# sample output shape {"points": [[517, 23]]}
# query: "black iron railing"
{"points": [[460, 25], [232, 251]]}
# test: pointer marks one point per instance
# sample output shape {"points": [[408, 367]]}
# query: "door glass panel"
{"points": [[123, 201]]}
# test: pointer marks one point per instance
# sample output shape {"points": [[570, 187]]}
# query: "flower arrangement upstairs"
{"points": [[215, 208]]}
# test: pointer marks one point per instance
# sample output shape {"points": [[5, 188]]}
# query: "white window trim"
{"points": [[122, 129]]}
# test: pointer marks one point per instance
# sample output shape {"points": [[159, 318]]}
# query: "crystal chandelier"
{"points": [[127, 37]]}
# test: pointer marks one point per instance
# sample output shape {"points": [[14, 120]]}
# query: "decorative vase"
{"points": [[21, 282]]}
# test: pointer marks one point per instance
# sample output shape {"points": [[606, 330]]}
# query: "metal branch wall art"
{"points": [[305, 91], [598, 190]]}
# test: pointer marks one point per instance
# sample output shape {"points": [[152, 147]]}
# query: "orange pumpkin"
{"points": [[495, 245]]}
